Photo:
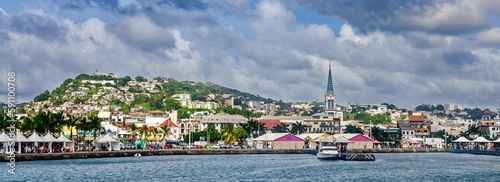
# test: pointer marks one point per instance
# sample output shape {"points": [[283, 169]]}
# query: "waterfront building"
{"points": [[278, 141], [419, 125], [356, 140]]}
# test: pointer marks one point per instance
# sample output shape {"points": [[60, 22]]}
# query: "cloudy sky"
{"points": [[401, 52]]}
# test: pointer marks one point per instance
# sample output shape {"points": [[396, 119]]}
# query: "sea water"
{"points": [[262, 167]]}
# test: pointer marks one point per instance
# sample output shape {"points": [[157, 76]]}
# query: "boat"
{"points": [[137, 154], [328, 152]]}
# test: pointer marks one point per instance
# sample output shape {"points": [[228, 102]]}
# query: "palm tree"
{"points": [[376, 132], [473, 130], [95, 125], [353, 129], [228, 135], [133, 131], [70, 123], [144, 131], [298, 128], [253, 126], [166, 131], [57, 122], [281, 128]]}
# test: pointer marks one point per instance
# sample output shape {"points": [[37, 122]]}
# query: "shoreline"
{"points": [[131, 153]]}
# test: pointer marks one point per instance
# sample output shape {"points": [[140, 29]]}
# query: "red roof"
{"points": [[168, 123], [269, 124], [151, 128], [360, 138], [416, 118]]}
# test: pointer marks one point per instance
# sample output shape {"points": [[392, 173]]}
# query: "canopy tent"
{"points": [[461, 140], [414, 142], [480, 140], [66, 142], [377, 142], [106, 139], [4, 137], [20, 138], [49, 138]]}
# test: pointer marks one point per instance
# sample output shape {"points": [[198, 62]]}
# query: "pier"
{"points": [[357, 157]]}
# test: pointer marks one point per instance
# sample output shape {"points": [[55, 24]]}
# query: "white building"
{"points": [[184, 99], [219, 121], [202, 105]]}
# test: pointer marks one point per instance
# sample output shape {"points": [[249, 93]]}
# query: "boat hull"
{"points": [[328, 156]]}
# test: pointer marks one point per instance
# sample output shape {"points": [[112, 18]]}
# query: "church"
{"points": [[329, 120]]}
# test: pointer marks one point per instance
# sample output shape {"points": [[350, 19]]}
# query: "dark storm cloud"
{"points": [[441, 17], [42, 26], [460, 59]]}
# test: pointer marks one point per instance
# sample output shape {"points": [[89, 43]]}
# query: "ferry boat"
{"points": [[328, 152]]}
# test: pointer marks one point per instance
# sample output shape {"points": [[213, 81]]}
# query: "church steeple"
{"points": [[330, 97], [329, 87]]}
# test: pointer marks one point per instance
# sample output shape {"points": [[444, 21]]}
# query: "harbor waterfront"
{"points": [[130, 153], [263, 167]]}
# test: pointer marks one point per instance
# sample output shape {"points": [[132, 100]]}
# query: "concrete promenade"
{"points": [[131, 153]]}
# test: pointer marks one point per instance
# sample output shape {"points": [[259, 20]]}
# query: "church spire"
{"points": [[329, 87]]}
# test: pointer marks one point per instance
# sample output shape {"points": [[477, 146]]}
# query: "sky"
{"points": [[402, 52]]}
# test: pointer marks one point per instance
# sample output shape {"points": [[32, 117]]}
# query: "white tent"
{"points": [[49, 138], [480, 140], [461, 140], [106, 139], [4, 138], [66, 142], [20, 138]]}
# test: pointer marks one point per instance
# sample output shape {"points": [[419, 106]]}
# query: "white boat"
{"points": [[328, 152]]}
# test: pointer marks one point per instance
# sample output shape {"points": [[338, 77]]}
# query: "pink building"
{"points": [[279, 141]]}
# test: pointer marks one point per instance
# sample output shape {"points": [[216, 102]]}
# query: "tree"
{"points": [[172, 104], [140, 79], [281, 128], [240, 135], [166, 131], [376, 132], [423, 108], [228, 134], [254, 127], [298, 128], [133, 131], [95, 126], [144, 131], [42, 97], [440, 107], [353, 129]]}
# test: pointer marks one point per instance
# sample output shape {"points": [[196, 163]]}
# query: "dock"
{"points": [[357, 157], [351, 156]]}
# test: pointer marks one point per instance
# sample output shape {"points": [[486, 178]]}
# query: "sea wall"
{"points": [[131, 153], [396, 150]]}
